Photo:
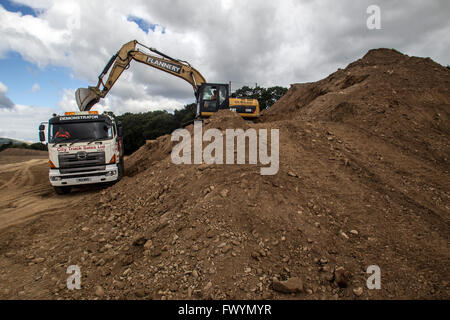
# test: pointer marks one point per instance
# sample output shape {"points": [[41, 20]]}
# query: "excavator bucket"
{"points": [[86, 98]]}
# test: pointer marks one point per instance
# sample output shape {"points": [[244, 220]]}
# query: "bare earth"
{"points": [[363, 180], [26, 195]]}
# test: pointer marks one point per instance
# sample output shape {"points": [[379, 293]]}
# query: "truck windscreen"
{"points": [[79, 132]]}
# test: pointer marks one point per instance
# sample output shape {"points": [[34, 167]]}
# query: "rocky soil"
{"points": [[363, 180]]}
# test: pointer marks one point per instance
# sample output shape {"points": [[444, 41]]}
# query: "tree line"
{"points": [[33, 146], [139, 127], [266, 96]]}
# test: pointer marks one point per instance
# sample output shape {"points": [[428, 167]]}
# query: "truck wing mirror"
{"points": [[41, 132]]}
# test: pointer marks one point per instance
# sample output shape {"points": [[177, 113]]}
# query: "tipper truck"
{"points": [[83, 148]]}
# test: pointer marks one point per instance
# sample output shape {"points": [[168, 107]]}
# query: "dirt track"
{"points": [[27, 198], [24, 187], [363, 180]]}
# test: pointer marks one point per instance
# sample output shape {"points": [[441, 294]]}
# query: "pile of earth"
{"points": [[400, 99], [363, 180], [158, 149]]}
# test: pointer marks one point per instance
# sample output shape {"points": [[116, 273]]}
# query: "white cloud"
{"points": [[35, 88], [67, 102], [19, 121], [5, 102], [3, 88], [271, 43], [125, 101], [22, 122]]}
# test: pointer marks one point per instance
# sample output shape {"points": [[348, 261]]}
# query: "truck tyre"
{"points": [[120, 172], [62, 190]]}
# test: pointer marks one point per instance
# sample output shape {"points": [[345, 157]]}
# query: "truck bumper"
{"points": [[110, 174]]}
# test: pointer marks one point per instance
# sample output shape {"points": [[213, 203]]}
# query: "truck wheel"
{"points": [[120, 172], [62, 190]]}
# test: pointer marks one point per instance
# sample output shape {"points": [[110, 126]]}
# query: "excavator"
{"points": [[210, 97]]}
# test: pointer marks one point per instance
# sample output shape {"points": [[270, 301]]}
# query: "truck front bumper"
{"points": [[110, 174]]}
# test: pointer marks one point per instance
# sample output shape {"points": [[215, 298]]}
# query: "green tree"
{"points": [[186, 114], [33, 146], [38, 146], [266, 96], [137, 128], [5, 146]]}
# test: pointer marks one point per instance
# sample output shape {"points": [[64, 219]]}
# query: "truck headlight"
{"points": [[111, 173], [55, 178]]}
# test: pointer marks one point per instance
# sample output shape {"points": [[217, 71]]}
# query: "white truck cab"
{"points": [[83, 148]]}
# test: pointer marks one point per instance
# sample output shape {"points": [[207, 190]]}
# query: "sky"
{"points": [[49, 48]]}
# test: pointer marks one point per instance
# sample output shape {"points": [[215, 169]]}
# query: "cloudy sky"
{"points": [[49, 48]]}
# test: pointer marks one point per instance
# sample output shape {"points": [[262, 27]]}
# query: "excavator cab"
{"points": [[212, 97]]}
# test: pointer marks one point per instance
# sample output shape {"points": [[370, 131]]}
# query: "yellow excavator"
{"points": [[210, 97]]}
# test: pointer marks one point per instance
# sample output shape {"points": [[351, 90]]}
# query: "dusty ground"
{"points": [[27, 199], [22, 185], [363, 180]]}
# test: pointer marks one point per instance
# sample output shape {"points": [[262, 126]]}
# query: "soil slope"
{"points": [[363, 180]]}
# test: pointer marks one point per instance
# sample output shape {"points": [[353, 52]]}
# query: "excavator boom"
{"points": [[87, 97], [210, 97]]}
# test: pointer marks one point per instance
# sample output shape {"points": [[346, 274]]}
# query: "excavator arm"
{"points": [[87, 97]]}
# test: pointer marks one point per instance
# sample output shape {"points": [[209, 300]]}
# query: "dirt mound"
{"points": [[156, 150], [383, 82], [363, 180], [224, 119], [147, 155], [402, 99], [15, 155]]}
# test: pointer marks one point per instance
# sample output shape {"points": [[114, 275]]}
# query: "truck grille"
{"points": [[81, 161]]}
